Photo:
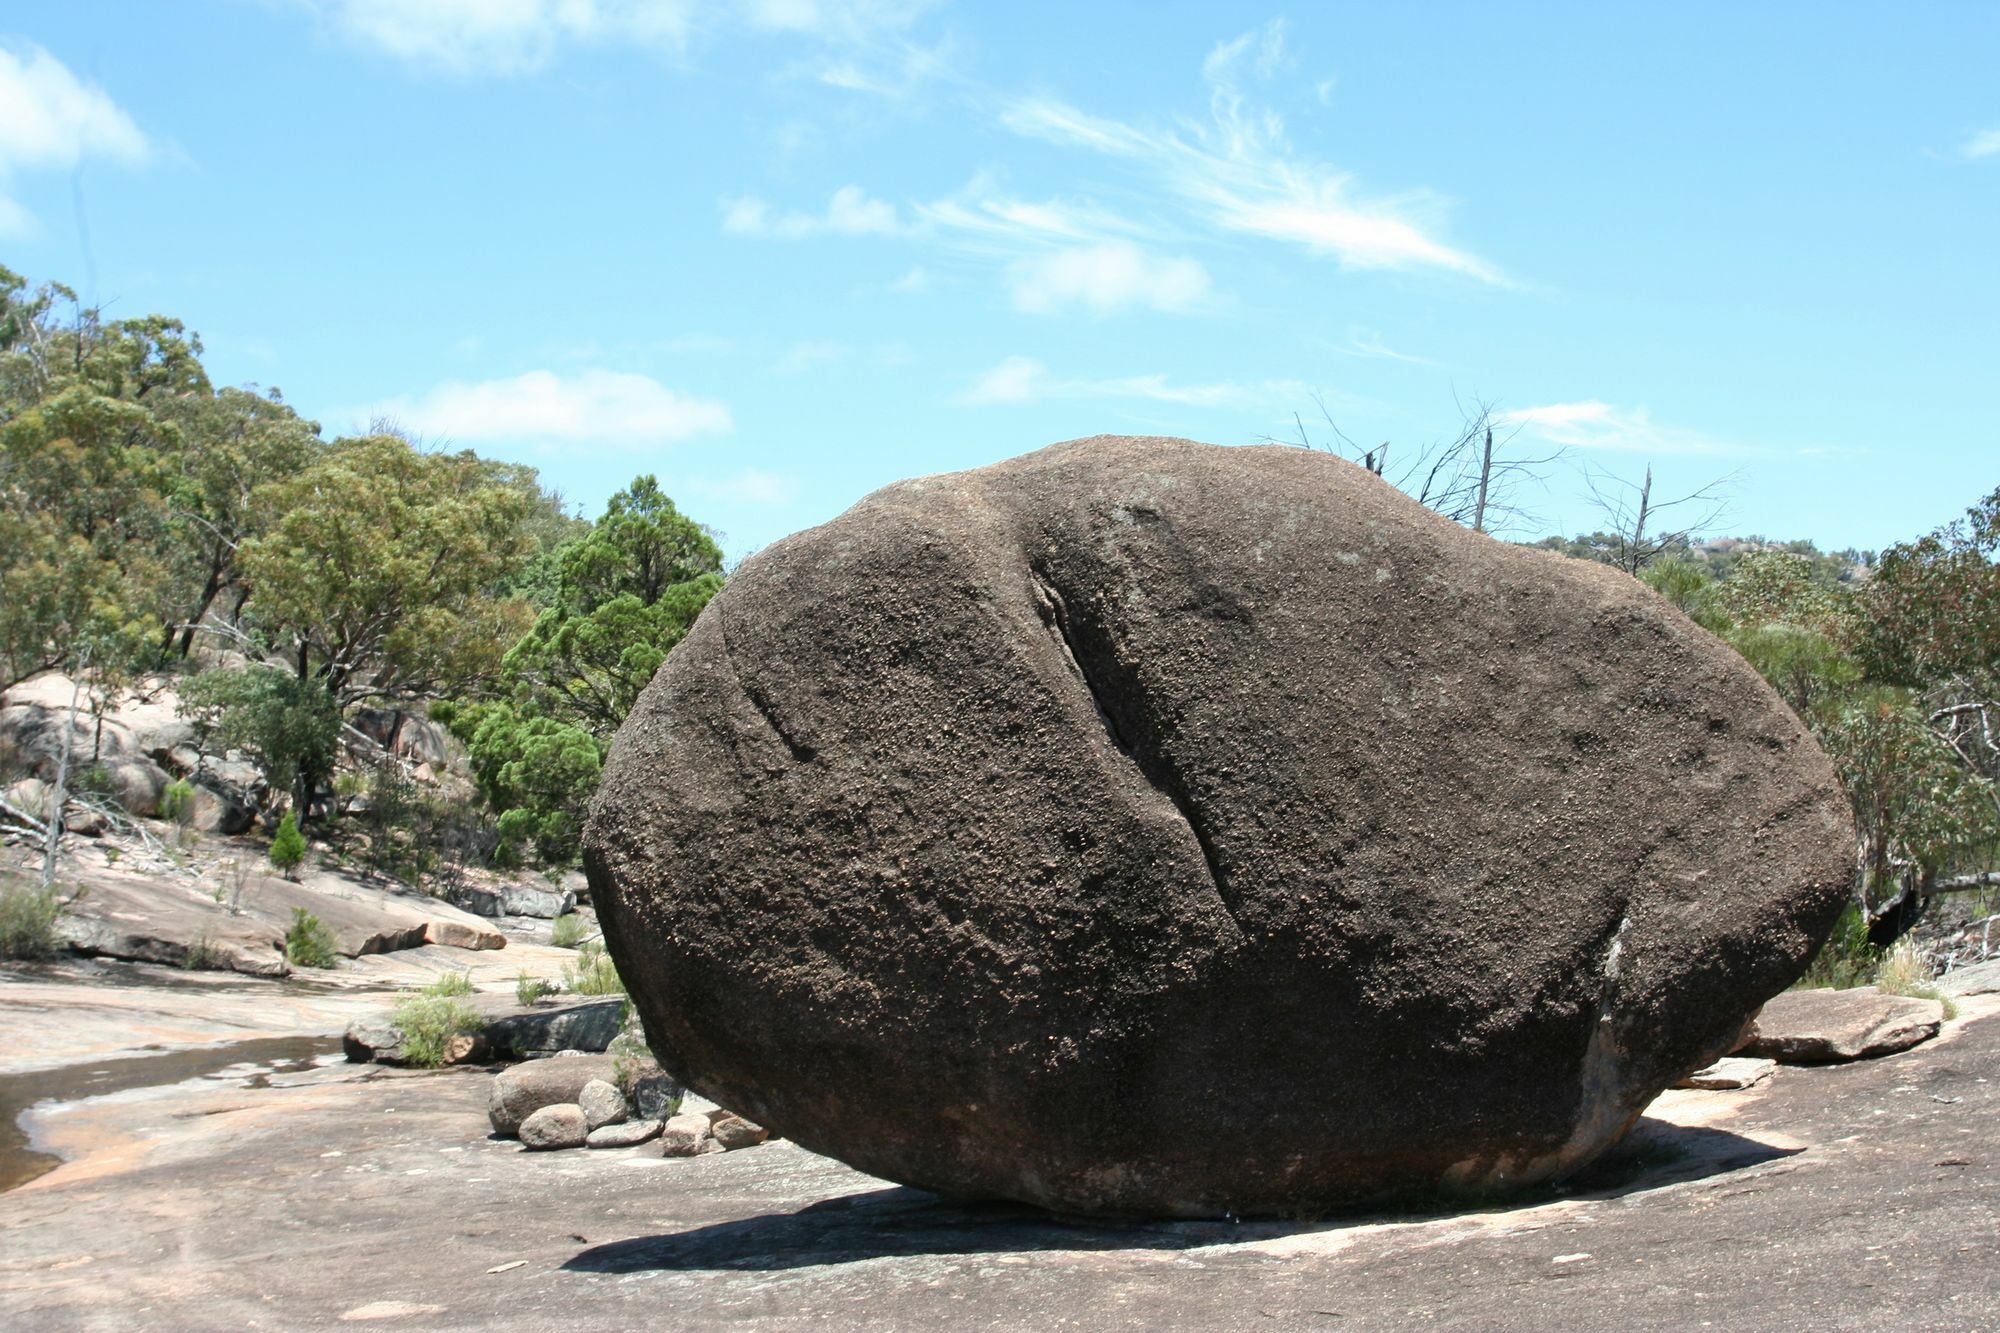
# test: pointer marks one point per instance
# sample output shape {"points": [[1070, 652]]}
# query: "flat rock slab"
{"points": [[189, 922], [1729, 1073], [1974, 979], [1810, 1027], [216, 1205]]}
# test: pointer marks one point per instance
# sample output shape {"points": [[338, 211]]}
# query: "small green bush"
{"points": [[568, 931], [288, 847], [592, 973], [451, 983], [309, 943], [28, 922], [529, 989], [428, 1023], [177, 802]]}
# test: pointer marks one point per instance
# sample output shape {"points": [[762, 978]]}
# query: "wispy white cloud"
{"points": [[1023, 379], [1056, 254], [982, 215], [857, 44], [507, 37], [1238, 171], [1368, 344], [50, 120], [752, 486], [1591, 424], [1114, 276], [850, 212], [601, 408], [1986, 143]]}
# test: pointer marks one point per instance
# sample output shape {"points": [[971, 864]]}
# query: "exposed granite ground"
{"points": [[1853, 1196]]}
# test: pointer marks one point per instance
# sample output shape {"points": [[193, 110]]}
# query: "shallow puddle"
{"points": [[21, 1162]]}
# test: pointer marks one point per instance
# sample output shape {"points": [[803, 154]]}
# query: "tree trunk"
{"points": [[1485, 476], [52, 841]]}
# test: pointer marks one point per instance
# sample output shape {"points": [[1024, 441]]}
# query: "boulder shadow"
{"points": [[895, 1221], [898, 1221]]}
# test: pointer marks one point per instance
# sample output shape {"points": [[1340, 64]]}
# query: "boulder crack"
{"points": [[1128, 736], [799, 750]]}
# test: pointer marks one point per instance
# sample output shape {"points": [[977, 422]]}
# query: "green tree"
{"points": [[538, 772], [288, 847], [289, 727], [617, 599], [229, 443], [1917, 805], [624, 595], [379, 578], [83, 522]]}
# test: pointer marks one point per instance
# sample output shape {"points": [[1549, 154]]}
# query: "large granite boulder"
{"points": [[1140, 826]]}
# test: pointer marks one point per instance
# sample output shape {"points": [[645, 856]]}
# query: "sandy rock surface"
{"points": [[1863, 1196]]}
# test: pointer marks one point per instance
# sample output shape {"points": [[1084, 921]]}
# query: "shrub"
{"points": [[592, 973], [288, 848], [1903, 971], [28, 922], [428, 1022], [309, 943], [177, 802], [204, 955], [528, 989], [451, 983], [568, 931]]}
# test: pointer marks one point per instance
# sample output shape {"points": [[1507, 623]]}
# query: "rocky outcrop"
{"points": [[129, 750], [1811, 1027], [410, 736], [524, 1089], [581, 1025], [511, 1032], [236, 918], [1056, 830], [516, 900], [1982, 978]]}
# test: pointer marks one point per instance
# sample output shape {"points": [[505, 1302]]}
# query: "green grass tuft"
{"points": [[428, 1024], [592, 973], [450, 983]]}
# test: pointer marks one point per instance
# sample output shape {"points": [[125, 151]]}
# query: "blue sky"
{"points": [[783, 252]]}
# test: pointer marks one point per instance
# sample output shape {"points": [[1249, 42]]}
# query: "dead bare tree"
{"points": [[1636, 522], [1469, 478]]}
